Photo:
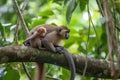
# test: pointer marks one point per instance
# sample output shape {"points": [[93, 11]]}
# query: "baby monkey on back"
{"points": [[34, 39], [49, 37]]}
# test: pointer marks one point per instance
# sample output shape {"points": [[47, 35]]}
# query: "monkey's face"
{"points": [[63, 33], [42, 31]]}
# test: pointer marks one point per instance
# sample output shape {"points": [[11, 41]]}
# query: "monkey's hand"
{"points": [[59, 49], [26, 43]]}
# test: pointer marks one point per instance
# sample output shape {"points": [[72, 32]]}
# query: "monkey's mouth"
{"points": [[67, 36]]}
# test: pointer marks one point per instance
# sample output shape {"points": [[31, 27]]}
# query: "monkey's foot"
{"points": [[59, 49]]}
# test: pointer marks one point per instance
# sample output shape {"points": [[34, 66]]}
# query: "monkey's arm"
{"points": [[27, 41], [35, 34], [48, 45]]}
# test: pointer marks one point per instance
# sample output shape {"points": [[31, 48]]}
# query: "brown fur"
{"points": [[52, 42], [54, 35], [35, 38]]}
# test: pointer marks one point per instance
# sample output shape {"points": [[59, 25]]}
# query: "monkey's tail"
{"points": [[70, 62], [40, 71]]}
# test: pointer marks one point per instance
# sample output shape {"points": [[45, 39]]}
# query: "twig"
{"points": [[24, 67], [100, 7], [90, 18], [21, 17], [86, 62], [16, 32], [16, 35], [18, 22]]}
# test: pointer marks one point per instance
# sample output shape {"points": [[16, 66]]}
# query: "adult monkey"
{"points": [[51, 42]]}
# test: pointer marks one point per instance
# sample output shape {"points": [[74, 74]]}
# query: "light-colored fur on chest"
{"points": [[53, 38]]}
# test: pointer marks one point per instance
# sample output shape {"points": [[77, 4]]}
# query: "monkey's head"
{"points": [[63, 32], [42, 31]]}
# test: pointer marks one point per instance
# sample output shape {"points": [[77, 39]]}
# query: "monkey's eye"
{"points": [[59, 30]]}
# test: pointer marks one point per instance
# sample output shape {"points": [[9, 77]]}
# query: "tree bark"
{"points": [[95, 68]]}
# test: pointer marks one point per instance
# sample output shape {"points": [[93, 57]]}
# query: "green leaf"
{"points": [[82, 4], [2, 2], [81, 49], [65, 2], [70, 10], [11, 74], [46, 13], [65, 75], [37, 22], [1, 29]]}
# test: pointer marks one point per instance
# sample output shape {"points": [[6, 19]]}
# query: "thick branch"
{"points": [[111, 38], [95, 68]]}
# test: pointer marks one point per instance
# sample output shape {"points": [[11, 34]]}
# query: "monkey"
{"points": [[51, 41], [34, 40]]}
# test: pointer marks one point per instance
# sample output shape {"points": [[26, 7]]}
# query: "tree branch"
{"points": [[95, 68], [113, 47]]}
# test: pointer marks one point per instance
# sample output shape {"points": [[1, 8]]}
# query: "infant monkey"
{"points": [[34, 40]]}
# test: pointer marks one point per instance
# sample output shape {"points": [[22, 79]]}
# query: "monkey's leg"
{"points": [[48, 45], [39, 44]]}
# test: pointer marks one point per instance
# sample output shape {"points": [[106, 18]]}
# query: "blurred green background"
{"points": [[83, 17]]}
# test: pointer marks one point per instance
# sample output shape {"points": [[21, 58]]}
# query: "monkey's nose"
{"points": [[67, 31]]}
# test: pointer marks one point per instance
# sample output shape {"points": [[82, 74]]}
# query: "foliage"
{"points": [[87, 36]]}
